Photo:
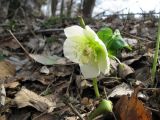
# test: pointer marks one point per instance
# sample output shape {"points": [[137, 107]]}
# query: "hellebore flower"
{"points": [[83, 46]]}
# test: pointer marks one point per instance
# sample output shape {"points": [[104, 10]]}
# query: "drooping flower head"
{"points": [[83, 46]]}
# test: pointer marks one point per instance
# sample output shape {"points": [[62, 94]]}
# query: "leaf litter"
{"points": [[28, 83]]}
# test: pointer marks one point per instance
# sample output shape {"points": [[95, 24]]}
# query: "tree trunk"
{"points": [[88, 6], [4, 6], [54, 7], [69, 7], [62, 8]]}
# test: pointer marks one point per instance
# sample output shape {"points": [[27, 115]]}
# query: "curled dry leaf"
{"points": [[26, 97], [132, 108], [124, 70]]}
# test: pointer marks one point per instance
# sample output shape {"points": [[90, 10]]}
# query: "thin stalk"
{"points": [[153, 72], [81, 22], [95, 86]]}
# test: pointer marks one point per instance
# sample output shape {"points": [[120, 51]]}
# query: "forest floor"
{"points": [[30, 89]]}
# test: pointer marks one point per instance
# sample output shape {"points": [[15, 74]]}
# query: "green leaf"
{"points": [[105, 34], [116, 43]]}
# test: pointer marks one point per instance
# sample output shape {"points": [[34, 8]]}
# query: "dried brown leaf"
{"points": [[12, 85], [6, 69], [132, 108], [125, 70], [26, 97]]}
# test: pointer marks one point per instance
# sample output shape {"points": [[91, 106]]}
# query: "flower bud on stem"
{"points": [[81, 21], [104, 107]]}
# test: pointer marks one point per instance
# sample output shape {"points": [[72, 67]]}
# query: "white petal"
{"points": [[73, 31], [90, 30], [104, 64], [73, 46], [103, 59], [90, 70], [70, 51], [89, 33]]}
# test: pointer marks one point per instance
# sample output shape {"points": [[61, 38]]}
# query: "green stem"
{"points": [[153, 72], [81, 21], [103, 107], [95, 86]]}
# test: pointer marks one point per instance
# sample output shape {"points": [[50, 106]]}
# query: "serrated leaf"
{"points": [[105, 34], [48, 60]]}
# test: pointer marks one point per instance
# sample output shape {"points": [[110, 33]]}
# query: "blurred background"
{"points": [[72, 8]]}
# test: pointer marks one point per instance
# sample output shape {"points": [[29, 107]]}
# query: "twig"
{"points": [[151, 89], [20, 44], [114, 116], [74, 110], [70, 81], [40, 115], [152, 109]]}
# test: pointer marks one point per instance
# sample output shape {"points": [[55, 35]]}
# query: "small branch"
{"points": [[75, 110], [150, 89], [20, 44]]}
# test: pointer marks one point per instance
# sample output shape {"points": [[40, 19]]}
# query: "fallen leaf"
{"points": [[44, 70], [6, 69], [10, 43], [26, 97], [12, 85], [3, 117], [143, 74], [132, 108], [124, 89], [48, 60], [119, 90], [131, 42]]}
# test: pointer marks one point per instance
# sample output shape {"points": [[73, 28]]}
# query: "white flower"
{"points": [[83, 46]]}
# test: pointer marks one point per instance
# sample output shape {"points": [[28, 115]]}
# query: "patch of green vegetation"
{"points": [[12, 25], [50, 40], [51, 21], [113, 40], [2, 57]]}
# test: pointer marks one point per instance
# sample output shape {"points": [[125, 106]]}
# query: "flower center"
{"points": [[87, 51], [86, 55]]}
